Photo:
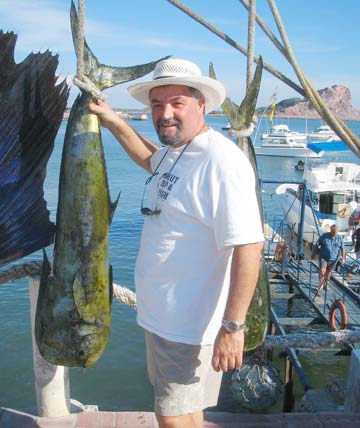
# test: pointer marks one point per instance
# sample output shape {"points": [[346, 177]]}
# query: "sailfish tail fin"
{"points": [[104, 76]]}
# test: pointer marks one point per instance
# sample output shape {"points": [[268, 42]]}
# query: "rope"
{"points": [[33, 268], [128, 297], [80, 39], [312, 341], [124, 295], [80, 80], [85, 84], [243, 132]]}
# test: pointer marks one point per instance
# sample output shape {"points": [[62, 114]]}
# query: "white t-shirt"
{"points": [[208, 204], [352, 205]]}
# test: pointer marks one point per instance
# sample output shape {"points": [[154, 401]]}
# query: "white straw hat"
{"points": [[181, 72]]}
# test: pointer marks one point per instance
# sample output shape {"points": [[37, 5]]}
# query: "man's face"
{"points": [[334, 230], [177, 115]]}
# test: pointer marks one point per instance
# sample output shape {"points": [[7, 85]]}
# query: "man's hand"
{"points": [[107, 115], [228, 350]]}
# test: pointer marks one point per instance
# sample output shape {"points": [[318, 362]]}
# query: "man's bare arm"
{"points": [[137, 147], [229, 347]]}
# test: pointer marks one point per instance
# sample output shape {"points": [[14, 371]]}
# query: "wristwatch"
{"points": [[232, 326]]}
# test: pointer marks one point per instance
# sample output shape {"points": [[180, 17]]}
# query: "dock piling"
{"points": [[352, 394], [52, 385]]}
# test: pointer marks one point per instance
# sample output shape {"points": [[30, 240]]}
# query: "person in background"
{"points": [[352, 205], [356, 243], [330, 249], [349, 208], [199, 257]]}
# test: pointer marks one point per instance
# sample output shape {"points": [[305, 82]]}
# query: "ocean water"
{"points": [[118, 380]]}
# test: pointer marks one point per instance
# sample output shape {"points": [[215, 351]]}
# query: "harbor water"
{"points": [[118, 380]]}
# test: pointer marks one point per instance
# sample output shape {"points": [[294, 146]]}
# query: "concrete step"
{"points": [[10, 418]]}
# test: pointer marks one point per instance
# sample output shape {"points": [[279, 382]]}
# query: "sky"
{"points": [[324, 35]]}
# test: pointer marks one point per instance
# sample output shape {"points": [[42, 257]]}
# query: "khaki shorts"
{"points": [[329, 265], [182, 376]]}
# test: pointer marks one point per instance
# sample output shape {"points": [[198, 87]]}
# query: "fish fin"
{"points": [[113, 206], [111, 287], [41, 305], [79, 292], [229, 107], [104, 76], [32, 105], [248, 105], [46, 267]]}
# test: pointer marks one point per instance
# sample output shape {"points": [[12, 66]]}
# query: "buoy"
{"points": [[282, 249], [338, 305]]}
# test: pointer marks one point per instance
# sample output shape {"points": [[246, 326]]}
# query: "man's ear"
{"points": [[202, 104]]}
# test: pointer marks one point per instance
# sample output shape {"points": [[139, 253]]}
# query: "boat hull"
{"points": [[291, 206], [286, 152]]}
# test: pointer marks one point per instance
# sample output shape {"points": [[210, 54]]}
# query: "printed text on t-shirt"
{"points": [[166, 184]]}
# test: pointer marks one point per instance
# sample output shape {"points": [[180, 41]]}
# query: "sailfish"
{"points": [[31, 110]]}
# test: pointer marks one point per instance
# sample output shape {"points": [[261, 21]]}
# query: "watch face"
{"points": [[232, 326]]}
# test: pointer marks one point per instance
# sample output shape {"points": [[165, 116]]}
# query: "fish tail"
{"points": [[101, 75]]}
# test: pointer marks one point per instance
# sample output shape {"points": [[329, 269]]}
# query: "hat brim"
{"points": [[213, 90]]}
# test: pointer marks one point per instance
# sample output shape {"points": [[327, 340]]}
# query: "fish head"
{"points": [[91, 341]]}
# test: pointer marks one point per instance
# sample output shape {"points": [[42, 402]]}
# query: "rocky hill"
{"points": [[337, 98]]}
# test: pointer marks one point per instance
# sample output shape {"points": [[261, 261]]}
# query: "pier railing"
{"points": [[52, 385]]}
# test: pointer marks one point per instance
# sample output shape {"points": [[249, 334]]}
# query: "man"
{"points": [[356, 243], [349, 208], [202, 238], [330, 248]]}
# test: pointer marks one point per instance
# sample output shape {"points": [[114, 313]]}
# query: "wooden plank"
{"points": [[295, 321], [277, 281], [282, 295]]}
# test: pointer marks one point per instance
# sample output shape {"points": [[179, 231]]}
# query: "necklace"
{"points": [[148, 211]]}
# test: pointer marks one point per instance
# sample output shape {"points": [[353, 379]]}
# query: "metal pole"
{"points": [[301, 225], [288, 403], [352, 394]]}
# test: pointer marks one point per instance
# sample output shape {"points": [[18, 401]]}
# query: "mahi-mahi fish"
{"points": [[74, 304], [240, 118]]}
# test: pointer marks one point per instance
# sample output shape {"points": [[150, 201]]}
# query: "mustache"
{"points": [[168, 122]]}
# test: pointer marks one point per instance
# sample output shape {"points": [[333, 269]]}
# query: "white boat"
{"points": [[329, 188], [285, 147], [141, 116], [322, 133], [282, 131], [226, 127]]}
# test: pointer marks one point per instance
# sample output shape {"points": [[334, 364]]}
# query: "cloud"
{"points": [[39, 24], [45, 24]]}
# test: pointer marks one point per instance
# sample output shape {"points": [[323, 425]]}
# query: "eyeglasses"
{"points": [[148, 211], [144, 210]]}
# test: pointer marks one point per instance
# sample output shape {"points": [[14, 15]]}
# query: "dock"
{"points": [[15, 419], [304, 276]]}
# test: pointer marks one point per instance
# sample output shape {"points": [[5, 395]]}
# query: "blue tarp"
{"points": [[327, 146]]}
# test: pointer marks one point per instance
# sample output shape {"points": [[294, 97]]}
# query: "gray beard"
{"points": [[171, 141], [167, 139]]}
